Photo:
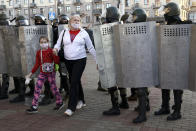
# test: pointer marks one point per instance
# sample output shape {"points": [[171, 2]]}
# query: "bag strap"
{"points": [[62, 40], [41, 57]]}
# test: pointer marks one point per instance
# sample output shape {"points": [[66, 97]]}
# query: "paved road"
{"points": [[90, 118]]}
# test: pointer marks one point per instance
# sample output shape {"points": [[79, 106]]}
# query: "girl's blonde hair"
{"points": [[43, 37]]}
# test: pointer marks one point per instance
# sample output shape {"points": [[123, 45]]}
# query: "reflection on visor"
{"points": [[161, 10], [23, 22]]}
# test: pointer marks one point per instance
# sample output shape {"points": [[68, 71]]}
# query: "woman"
{"points": [[74, 40]]}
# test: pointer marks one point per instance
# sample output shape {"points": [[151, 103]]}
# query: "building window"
{"points": [[97, 18], [34, 11], [59, 10], [127, 3], [51, 1], [136, 1], [98, 6], [42, 11], [88, 7], [77, 8], [145, 2], [2, 2], [18, 12], [25, 2], [88, 19], [10, 3], [108, 5], [17, 1], [68, 8], [41, 1], [26, 11]]}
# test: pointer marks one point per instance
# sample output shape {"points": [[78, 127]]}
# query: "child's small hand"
{"points": [[29, 75], [55, 51], [28, 78]]}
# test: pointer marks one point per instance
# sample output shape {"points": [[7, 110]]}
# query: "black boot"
{"points": [[14, 91], [165, 103], [147, 106], [100, 88], [16, 86], [124, 103], [133, 96], [21, 91], [115, 107], [18, 99], [177, 107], [142, 106], [4, 88], [3, 97]]}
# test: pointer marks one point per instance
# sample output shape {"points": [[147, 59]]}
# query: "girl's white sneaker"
{"points": [[68, 112]]}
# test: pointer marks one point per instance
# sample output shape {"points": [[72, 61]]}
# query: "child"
{"points": [[45, 59]]}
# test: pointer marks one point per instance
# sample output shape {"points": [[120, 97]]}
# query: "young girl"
{"points": [[45, 59]]}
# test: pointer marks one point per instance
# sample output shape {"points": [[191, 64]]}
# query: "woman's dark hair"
{"points": [[44, 37]]}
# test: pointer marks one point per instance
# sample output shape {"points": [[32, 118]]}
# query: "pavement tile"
{"points": [[90, 118]]}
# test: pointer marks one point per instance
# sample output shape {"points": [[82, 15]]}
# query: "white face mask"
{"points": [[44, 45], [76, 26]]}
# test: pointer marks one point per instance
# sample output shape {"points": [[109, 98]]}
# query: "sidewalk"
{"points": [[90, 118]]}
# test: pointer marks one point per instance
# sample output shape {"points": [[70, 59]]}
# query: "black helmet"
{"points": [[140, 14], [3, 16], [40, 20], [3, 19], [63, 19], [112, 14], [125, 17], [21, 21], [174, 9]]}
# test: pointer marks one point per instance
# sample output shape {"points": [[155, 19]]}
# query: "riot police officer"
{"points": [[40, 20], [55, 24], [5, 77], [133, 96], [172, 13], [22, 21], [64, 80], [20, 81], [139, 15], [63, 19], [112, 15]]}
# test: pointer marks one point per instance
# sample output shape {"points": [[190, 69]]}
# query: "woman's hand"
{"points": [[55, 51]]}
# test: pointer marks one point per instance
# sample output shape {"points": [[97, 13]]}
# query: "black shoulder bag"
{"points": [[61, 51]]}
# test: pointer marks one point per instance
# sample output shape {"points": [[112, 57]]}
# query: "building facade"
{"points": [[89, 10], [192, 14]]}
